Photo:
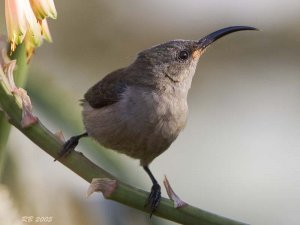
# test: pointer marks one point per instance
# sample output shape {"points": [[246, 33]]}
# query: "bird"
{"points": [[139, 110]]}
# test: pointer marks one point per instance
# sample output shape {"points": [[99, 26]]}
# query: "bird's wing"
{"points": [[107, 91]]}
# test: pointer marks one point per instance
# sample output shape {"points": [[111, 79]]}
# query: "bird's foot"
{"points": [[154, 198], [68, 146]]}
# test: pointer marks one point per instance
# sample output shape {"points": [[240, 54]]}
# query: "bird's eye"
{"points": [[183, 55]]}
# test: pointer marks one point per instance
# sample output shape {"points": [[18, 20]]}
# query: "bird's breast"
{"points": [[163, 112], [143, 124]]}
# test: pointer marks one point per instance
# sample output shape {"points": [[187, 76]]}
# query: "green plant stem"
{"points": [[20, 77], [5, 129], [82, 166]]}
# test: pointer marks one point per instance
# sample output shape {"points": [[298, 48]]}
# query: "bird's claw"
{"points": [[68, 147], [154, 198]]}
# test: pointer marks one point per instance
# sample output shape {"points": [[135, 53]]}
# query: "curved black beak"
{"points": [[207, 40]]}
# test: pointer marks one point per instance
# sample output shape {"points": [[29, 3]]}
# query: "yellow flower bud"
{"points": [[15, 21], [43, 9], [25, 21]]}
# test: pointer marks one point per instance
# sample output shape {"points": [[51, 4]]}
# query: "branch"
{"points": [[20, 77], [86, 169], [5, 129]]}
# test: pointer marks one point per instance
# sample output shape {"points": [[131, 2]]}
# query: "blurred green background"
{"points": [[239, 153]]}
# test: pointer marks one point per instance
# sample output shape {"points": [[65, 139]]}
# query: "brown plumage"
{"points": [[140, 110]]}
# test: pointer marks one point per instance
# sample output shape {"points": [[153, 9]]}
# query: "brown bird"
{"points": [[139, 110]]}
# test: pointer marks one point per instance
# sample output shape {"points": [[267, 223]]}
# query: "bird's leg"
{"points": [[155, 194], [70, 145]]}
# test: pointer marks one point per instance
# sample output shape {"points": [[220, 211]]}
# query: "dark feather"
{"points": [[107, 91]]}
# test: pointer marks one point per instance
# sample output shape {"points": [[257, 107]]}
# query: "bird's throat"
{"points": [[172, 78]]}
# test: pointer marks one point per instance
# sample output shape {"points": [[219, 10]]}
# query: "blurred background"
{"points": [[239, 153]]}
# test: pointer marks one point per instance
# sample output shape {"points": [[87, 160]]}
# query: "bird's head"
{"points": [[177, 60]]}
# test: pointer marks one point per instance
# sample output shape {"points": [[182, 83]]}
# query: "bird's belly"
{"points": [[140, 130]]}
